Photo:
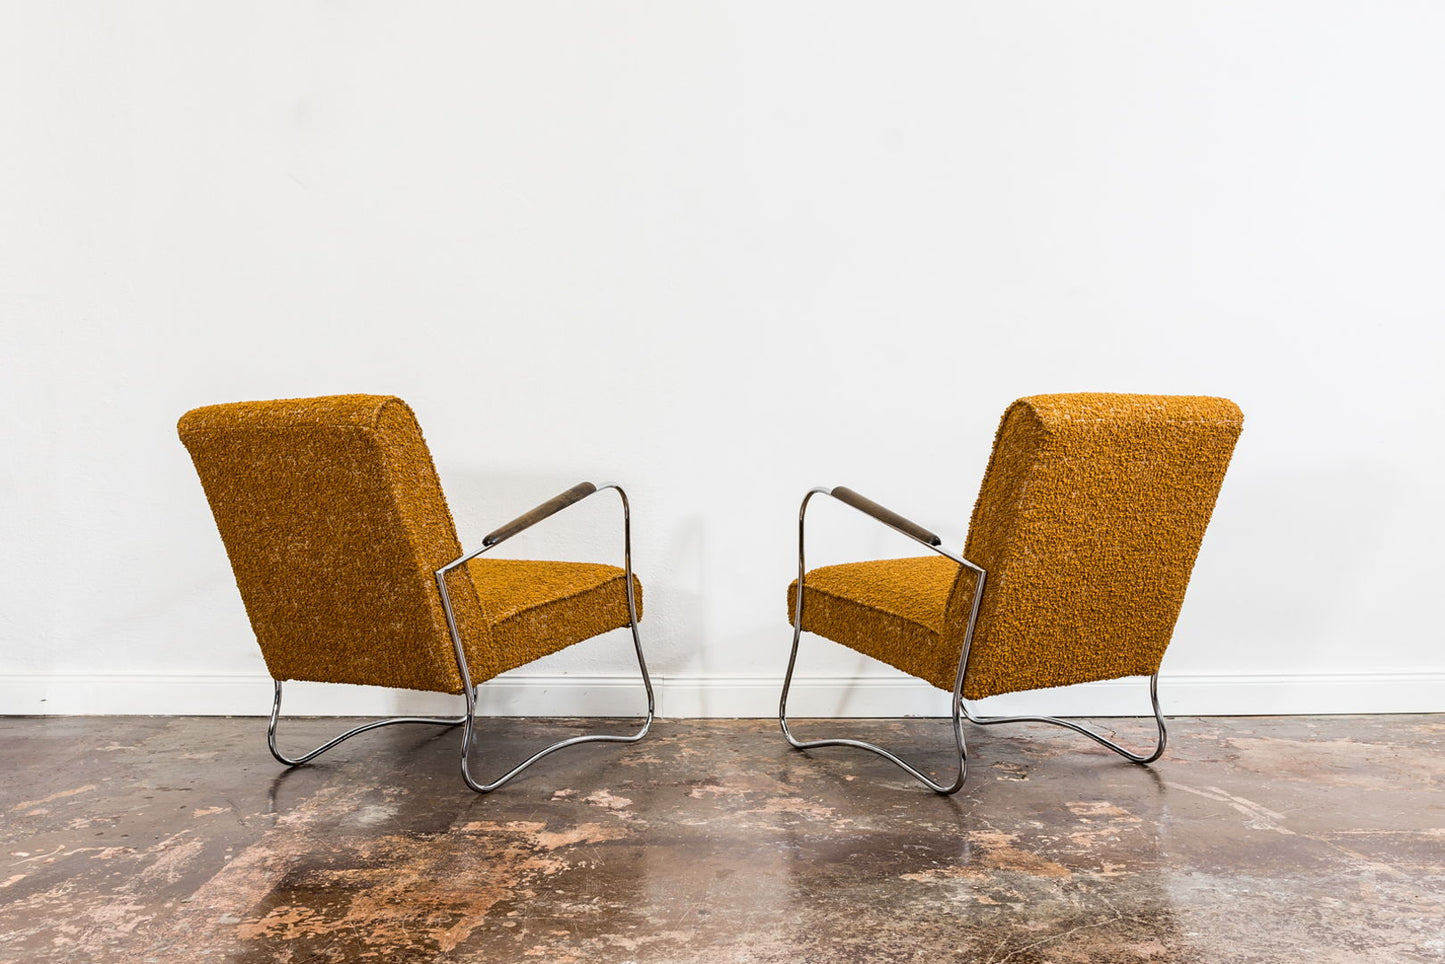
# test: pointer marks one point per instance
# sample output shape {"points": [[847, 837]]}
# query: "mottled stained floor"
{"points": [[1265, 839]]}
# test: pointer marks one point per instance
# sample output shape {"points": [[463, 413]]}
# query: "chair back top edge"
{"points": [[1088, 523], [334, 521]]}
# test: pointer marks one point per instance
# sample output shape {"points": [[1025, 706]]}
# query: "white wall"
{"points": [[723, 251]]}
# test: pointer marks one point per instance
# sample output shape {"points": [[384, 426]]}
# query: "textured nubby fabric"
{"points": [[1088, 523], [334, 520], [536, 608], [890, 609]]}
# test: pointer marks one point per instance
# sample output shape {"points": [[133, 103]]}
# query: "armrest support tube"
{"points": [[885, 515], [552, 506]]}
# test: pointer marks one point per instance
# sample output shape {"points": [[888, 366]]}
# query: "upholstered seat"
{"points": [[537, 608], [891, 609]]}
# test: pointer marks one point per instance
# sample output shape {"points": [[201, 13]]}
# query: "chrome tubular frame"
{"points": [[1103, 741], [962, 748], [960, 710], [307, 757], [470, 691]]}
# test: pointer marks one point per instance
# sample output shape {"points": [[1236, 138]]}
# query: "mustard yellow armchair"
{"points": [[1080, 548], [349, 566]]}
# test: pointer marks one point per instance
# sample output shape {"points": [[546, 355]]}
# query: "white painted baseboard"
{"points": [[721, 696]]}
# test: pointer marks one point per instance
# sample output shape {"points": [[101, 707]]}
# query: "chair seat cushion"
{"points": [[890, 609], [536, 608]]}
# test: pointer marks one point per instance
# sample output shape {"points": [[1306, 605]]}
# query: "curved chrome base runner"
{"points": [[960, 713], [1129, 755], [946, 789], [465, 721], [307, 757]]}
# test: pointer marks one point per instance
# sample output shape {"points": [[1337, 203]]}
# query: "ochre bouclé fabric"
{"points": [[536, 608], [334, 521], [890, 609], [1088, 523]]}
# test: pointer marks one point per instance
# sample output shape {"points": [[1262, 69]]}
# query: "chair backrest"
{"points": [[1088, 523], [334, 521]]}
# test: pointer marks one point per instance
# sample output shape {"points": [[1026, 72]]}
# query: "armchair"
{"points": [[1082, 541], [347, 560]]}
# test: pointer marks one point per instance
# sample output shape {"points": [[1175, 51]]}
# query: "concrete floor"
{"points": [[1261, 839]]}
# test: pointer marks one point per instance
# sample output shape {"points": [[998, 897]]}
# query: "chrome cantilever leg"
{"points": [[953, 786], [469, 691], [313, 754], [1129, 755], [956, 783]]}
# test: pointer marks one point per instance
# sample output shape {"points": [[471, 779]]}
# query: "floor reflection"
{"points": [[712, 841]]}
